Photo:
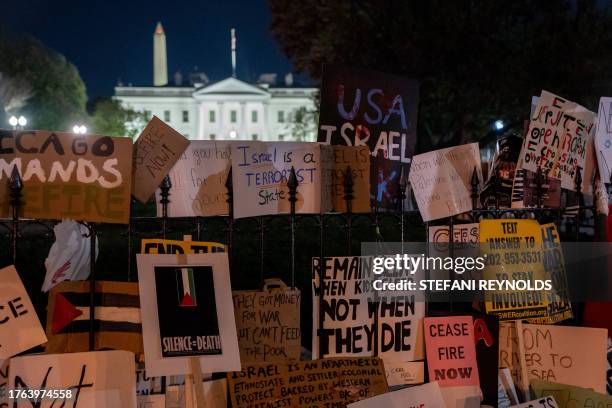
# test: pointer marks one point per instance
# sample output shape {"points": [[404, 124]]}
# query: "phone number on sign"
{"points": [[38, 395]]}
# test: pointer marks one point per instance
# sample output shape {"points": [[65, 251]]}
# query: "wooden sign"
{"points": [[261, 171], [169, 246], [186, 309], [268, 323], [157, 149], [68, 176], [568, 396], [451, 354], [198, 180], [357, 158], [422, 396], [85, 377], [117, 317], [318, 383], [442, 180], [20, 328], [373, 109], [558, 140]]}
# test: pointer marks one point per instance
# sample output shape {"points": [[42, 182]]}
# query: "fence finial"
{"points": [[475, 183], [292, 184], [348, 184], [15, 182], [229, 184]]}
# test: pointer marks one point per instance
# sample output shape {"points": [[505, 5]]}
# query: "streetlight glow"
{"points": [[13, 121], [22, 121], [499, 125], [79, 129], [233, 134]]}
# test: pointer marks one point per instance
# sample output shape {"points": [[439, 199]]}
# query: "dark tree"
{"points": [[477, 61], [112, 119], [58, 94]]}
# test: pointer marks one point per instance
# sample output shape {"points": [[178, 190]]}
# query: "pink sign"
{"points": [[451, 354]]}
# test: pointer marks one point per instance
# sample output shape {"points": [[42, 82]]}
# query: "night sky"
{"points": [[111, 40]]}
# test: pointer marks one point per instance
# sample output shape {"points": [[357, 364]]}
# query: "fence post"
{"points": [[580, 199], [401, 198], [92, 286], [348, 199], [475, 183], [15, 186], [229, 185], [292, 184], [165, 187], [539, 182]]}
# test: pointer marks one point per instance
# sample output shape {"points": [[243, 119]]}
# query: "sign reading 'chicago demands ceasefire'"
{"points": [[80, 177]]}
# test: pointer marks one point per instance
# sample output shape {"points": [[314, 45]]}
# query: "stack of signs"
{"points": [[268, 323], [333, 382], [67, 176], [560, 141], [368, 108], [260, 173], [198, 180], [20, 329], [351, 319], [84, 378], [422, 396], [185, 304], [567, 396], [157, 149], [169, 246], [603, 139], [357, 158], [442, 180], [497, 191], [117, 317]]}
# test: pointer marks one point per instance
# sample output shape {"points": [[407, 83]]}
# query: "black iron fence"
{"points": [[280, 246]]}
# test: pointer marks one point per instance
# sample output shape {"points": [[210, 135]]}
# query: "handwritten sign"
{"points": [[349, 306], [559, 136], [157, 149], [20, 327], [442, 180], [603, 139], [567, 396], [215, 395], [462, 233], [4, 379], [85, 374], [373, 109], [451, 354], [198, 180], [558, 298], [185, 304], [261, 172], [169, 246], [268, 324], [68, 176], [357, 158], [317, 383], [422, 396], [405, 372], [544, 402], [511, 356]]}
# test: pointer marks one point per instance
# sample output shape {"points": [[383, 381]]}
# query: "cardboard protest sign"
{"points": [[512, 358], [151, 401], [603, 139], [20, 329], [268, 323], [373, 109], [565, 354], [559, 136], [462, 233], [559, 305], [215, 395], [442, 180], [68, 176], [317, 383], [169, 246], [117, 317], [451, 352], [261, 171], [86, 375], [156, 150], [356, 320], [4, 379], [357, 158], [405, 372], [422, 396], [198, 180], [497, 191], [513, 251], [185, 304], [544, 402], [567, 396]]}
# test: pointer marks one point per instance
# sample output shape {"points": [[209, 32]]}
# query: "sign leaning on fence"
{"points": [[185, 304], [67, 176], [20, 328], [374, 109], [603, 139], [85, 375], [157, 149]]}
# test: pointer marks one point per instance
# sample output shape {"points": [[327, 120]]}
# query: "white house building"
{"points": [[227, 109]]}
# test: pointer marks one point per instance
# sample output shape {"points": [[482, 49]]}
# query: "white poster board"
{"points": [[603, 139], [98, 379], [20, 328], [187, 311], [422, 396]]}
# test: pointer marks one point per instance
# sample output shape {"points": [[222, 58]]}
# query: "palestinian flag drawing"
{"points": [[117, 317], [185, 284]]}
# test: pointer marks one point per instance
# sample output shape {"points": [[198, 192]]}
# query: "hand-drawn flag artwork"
{"points": [[117, 317], [187, 311], [186, 287]]}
